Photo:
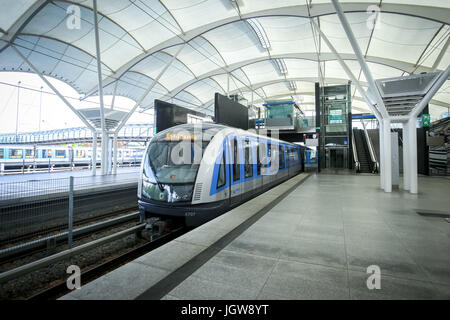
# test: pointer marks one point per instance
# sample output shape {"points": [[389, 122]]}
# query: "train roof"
{"points": [[213, 129], [16, 146]]}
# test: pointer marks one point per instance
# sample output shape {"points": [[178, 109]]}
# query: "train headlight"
{"points": [[151, 190]]}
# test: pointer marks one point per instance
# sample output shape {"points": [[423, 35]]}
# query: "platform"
{"points": [[308, 238], [30, 186]]}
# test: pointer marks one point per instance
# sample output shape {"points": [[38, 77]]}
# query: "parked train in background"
{"points": [[27, 158]]}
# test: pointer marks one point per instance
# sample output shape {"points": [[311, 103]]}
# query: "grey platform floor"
{"points": [[317, 243]]}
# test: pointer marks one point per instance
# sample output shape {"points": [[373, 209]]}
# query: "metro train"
{"points": [[193, 175], [16, 156]]}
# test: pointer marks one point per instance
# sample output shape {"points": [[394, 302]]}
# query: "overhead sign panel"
{"points": [[230, 113]]}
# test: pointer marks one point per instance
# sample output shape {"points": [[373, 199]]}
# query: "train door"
{"points": [[249, 184], [265, 164], [236, 170], [283, 171], [71, 156]]}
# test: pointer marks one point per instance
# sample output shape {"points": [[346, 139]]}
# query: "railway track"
{"points": [[28, 237], [85, 229], [95, 272], [34, 258]]}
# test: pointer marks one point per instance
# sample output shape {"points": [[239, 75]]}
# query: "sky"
{"points": [[54, 113]]}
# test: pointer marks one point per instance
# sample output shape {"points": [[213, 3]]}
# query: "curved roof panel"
{"points": [[235, 46]]}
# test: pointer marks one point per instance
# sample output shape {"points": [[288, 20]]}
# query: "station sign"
{"points": [[426, 120]]}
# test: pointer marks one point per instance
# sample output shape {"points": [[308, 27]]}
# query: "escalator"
{"points": [[365, 159]]}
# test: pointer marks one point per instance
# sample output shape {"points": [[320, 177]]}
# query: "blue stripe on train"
{"points": [[229, 175]]}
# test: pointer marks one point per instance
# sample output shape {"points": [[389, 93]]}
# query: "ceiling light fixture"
{"points": [[259, 30], [280, 65], [292, 85]]}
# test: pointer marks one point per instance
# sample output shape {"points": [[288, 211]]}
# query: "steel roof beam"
{"points": [[317, 10], [349, 73]]}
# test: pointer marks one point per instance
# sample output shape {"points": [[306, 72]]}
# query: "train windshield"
{"points": [[175, 162]]}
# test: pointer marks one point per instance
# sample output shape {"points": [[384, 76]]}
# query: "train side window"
{"points": [[281, 157], [2, 153], [29, 153], [81, 154], [236, 166], [60, 153], [16, 153], [292, 157], [295, 156], [269, 155], [263, 161], [290, 164], [221, 177], [248, 162], [258, 159]]}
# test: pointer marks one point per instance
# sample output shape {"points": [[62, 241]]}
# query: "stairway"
{"points": [[362, 149]]}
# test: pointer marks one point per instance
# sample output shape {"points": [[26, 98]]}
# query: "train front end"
{"points": [[168, 175]]}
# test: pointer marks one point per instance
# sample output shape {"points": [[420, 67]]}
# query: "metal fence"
{"points": [[40, 209], [27, 166]]}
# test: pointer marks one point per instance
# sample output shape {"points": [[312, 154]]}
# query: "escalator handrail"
{"points": [[355, 154], [373, 156]]}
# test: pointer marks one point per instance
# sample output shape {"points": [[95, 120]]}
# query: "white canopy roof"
{"points": [[262, 44]]}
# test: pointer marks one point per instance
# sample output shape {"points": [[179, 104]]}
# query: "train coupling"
{"points": [[155, 227]]}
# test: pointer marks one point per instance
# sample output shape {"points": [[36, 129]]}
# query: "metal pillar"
{"points": [[412, 153], [387, 155], [114, 95], [110, 155], [228, 84], [149, 89], [115, 153], [433, 90], [104, 153], [349, 73], [67, 103], [360, 57], [440, 56], [406, 171], [70, 227], [17, 110], [381, 139], [100, 90], [40, 110], [94, 152]]}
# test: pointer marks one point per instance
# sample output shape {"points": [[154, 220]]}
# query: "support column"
{"points": [[115, 154], [94, 153], [387, 155], [412, 153], [100, 90], [105, 152], [66, 102], [110, 156], [228, 85], [406, 172], [381, 140]]}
